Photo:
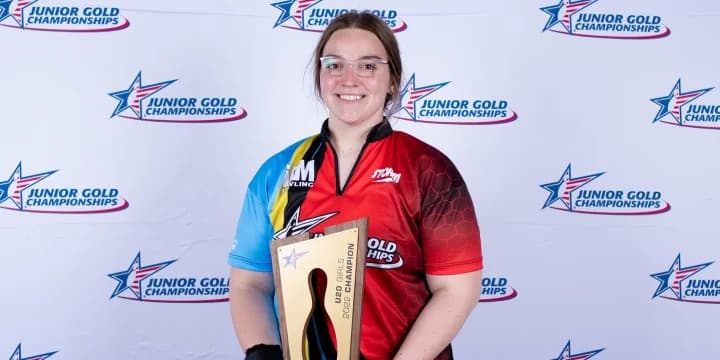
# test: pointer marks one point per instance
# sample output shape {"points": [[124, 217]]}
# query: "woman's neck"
{"points": [[348, 138]]}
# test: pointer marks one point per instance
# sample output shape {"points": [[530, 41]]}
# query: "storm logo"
{"points": [[18, 193], [139, 102], [673, 109], [569, 194], [17, 355], [305, 16], [137, 283], [496, 289], [416, 105], [566, 354], [675, 284], [29, 15], [573, 18]]}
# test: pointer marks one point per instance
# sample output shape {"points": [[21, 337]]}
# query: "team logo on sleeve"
{"points": [[148, 102], [676, 109], [141, 283], [580, 18], [57, 16], [306, 15], [416, 104], [17, 355], [676, 284], [566, 354], [21, 192], [574, 194], [496, 289]]}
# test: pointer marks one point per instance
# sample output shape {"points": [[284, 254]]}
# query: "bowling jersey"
{"points": [[421, 221]]}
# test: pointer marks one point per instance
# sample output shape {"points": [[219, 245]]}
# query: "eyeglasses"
{"points": [[336, 66]]}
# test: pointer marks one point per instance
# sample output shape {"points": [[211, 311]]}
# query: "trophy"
{"points": [[340, 254]]}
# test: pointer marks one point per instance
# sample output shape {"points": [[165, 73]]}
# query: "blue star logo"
{"points": [[132, 97], [17, 355], [410, 95], [134, 275], [672, 103], [293, 258], [4, 9], [563, 188], [563, 11], [292, 9], [16, 13], [565, 354], [285, 7], [672, 278], [12, 189]]}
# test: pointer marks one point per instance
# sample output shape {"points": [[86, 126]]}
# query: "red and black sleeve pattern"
{"points": [[449, 232]]}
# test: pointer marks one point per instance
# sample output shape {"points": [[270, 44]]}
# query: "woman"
{"points": [[424, 281]]}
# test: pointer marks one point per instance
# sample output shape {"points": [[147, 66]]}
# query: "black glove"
{"points": [[264, 352]]}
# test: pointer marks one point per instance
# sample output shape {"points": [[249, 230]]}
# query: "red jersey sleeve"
{"points": [[449, 232]]}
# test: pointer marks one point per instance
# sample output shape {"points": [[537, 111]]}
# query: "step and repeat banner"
{"points": [[587, 132]]}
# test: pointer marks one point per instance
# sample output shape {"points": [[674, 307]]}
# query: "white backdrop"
{"points": [[137, 269]]}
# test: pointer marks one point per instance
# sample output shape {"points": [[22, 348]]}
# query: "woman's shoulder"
{"points": [[434, 169], [419, 148], [276, 164], [286, 153]]}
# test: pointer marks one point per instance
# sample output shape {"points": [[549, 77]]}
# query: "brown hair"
{"points": [[375, 25]]}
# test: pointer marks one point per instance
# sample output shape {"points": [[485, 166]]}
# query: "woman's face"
{"points": [[350, 98]]}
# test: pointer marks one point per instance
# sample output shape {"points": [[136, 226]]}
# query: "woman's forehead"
{"points": [[354, 43]]}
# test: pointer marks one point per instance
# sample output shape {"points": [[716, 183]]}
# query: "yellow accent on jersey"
{"points": [[277, 214]]}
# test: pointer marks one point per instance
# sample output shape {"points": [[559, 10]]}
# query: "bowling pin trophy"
{"points": [[340, 254]]}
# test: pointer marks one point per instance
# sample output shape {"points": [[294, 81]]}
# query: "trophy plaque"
{"points": [[340, 254]]}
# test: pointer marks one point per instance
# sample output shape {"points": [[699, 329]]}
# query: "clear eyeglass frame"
{"points": [[337, 66]]}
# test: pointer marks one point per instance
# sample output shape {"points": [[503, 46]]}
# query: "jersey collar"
{"points": [[378, 132]]}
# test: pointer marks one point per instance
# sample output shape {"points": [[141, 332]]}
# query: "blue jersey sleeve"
{"points": [[251, 248]]}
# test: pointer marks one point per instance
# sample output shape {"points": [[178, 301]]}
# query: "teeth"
{"points": [[350, 97]]}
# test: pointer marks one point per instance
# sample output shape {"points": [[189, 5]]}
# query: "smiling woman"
{"points": [[423, 266], [355, 99]]}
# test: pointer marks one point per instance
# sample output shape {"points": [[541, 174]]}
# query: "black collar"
{"points": [[378, 132]]}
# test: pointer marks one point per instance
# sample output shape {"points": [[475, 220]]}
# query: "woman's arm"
{"points": [[251, 308], [453, 299]]}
